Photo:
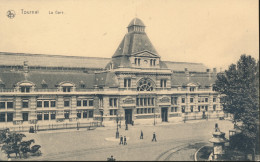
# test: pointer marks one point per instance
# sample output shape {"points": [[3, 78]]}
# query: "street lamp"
{"points": [[117, 133], [154, 117]]}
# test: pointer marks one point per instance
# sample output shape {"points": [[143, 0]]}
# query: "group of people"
{"points": [[123, 140]]}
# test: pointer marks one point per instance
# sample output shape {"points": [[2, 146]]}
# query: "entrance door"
{"points": [[128, 116], [164, 114], [25, 116]]}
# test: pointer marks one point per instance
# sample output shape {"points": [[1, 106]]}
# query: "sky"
{"points": [[212, 32]]}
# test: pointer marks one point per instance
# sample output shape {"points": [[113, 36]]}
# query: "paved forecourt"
{"points": [[99, 144]]}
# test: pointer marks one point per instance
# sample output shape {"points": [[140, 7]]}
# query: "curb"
{"points": [[195, 155]]}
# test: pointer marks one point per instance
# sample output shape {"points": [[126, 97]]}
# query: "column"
{"points": [[18, 111], [96, 112], [187, 105], [73, 111], [32, 113], [60, 107]]}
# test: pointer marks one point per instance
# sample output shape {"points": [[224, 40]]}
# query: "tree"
{"points": [[239, 86]]}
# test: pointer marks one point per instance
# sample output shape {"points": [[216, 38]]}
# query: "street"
{"points": [[174, 142]]}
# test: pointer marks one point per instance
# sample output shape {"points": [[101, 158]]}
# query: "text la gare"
{"points": [[56, 12]]}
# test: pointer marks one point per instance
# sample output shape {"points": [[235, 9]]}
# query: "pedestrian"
{"points": [[121, 140], [142, 135], [125, 140], [154, 137], [126, 127]]}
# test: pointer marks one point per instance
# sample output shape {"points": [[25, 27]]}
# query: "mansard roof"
{"points": [[135, 41], [42, 60]]}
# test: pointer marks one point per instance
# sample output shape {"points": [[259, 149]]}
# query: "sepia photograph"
{"points": [[132, 80]]}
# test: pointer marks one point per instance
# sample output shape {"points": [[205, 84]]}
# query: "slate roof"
{"points": [[180, 66], [134, 42], [201, 79], [14, 59], [50, 78]]}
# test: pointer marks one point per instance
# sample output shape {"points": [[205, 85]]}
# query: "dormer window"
{"points": [[25, 86], [44, 84], [82, 84], [66, 86]]}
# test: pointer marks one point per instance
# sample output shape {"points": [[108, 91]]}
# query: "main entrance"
{"points": [[164, 114], [128, 116]]}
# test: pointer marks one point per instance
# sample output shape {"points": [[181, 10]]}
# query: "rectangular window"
{"points": [[111, 102], [182, 100], [137, 101], [46, 103], [138, 111], [85, 114], [145, 110], [149, 101], [39, 116], [91, 103], [25, 116], [2, 105], [192, 89], [175, 109], [152, 101], [152, 110], [171, 109], [46, 116], [163, 83], [183, 109], [191, 100], [115, 112], [25, 104], [125, 83], [214, 99], [39, 103], [10, 105], [129, 82], [206, 108], [90, 113], [115, 102], [141, 101], [145, 101], [9, 117], [79, 114], [199, 108], [174, 100], [79, 103], [191, 108], [85, 102], [206, 99], [149, 110], [142, 110], [53, 116], [53, 103], [110, 112], [66, 114], [2, 117], [66, 103]]}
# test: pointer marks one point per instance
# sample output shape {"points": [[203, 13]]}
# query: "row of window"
{"points": [[6, 117], [84, 103], [46, 103], [144, 110], [6, 104], [144, 101], [200, 108]]}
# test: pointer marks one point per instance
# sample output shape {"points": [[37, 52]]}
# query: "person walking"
{"points": [[121, 140], [154, 137], [125, 140], [142, 135]]}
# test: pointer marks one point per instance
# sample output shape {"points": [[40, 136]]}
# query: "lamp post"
{"points": [[120, 122], [154, 118], [117, 133]]}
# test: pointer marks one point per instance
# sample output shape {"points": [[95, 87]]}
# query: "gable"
{"points": [[145, 53]]}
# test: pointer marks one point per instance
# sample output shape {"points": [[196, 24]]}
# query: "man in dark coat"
{"points": [[121, 140], [125, 140], [154, 137], [142, 135]]}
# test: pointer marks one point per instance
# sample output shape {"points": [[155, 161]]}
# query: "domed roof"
{"points": [[136, 21]]}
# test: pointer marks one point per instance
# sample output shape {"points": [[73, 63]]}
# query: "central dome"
{"points": [[136, 22]]}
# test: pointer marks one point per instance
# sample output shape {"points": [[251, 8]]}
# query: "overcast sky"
{"points": [[213, 32]]}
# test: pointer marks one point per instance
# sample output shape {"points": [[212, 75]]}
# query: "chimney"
{"points": [[187, 73], [208, 73], [25, 69]]}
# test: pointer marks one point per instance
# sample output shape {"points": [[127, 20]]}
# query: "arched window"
{"points": [[145, 84]]}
